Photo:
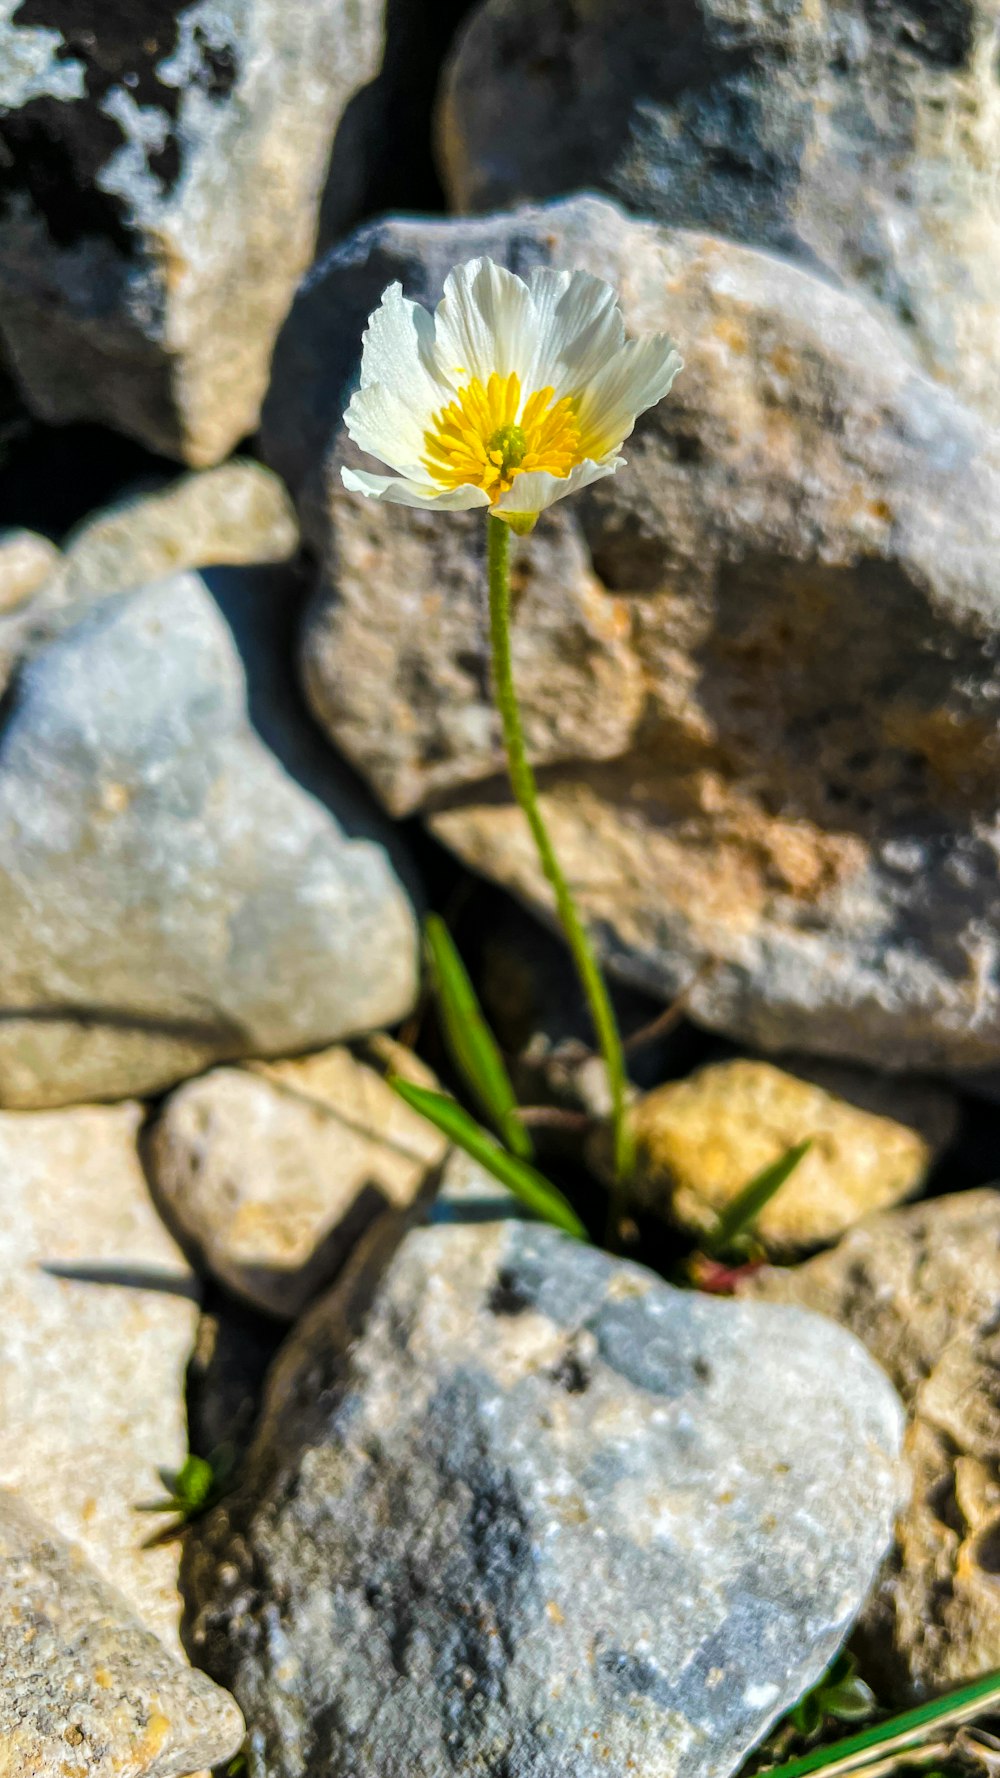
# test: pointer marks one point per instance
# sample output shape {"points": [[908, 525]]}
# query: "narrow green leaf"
{"points": [[518, 1176], [474, 1049], [898, 1735], [742, 1212]]}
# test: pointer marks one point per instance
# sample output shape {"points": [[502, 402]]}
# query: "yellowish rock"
{"points": [[700, 1140]]}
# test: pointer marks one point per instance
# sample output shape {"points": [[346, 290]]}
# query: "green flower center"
{"points": [[508, 447]]}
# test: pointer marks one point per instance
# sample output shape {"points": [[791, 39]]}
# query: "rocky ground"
{"points": [[476, 1498]]}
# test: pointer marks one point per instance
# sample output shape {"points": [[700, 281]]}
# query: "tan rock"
{"points": [[26, 561], [98, 1312], [273, 1171], [237, 514], [920, 1288], [88, 1691], [700, 1140], [771, 744]]}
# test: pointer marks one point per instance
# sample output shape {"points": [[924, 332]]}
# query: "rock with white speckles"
{"points": [[87, 1691], [176, 889], [161, 168], [546, 1516]]}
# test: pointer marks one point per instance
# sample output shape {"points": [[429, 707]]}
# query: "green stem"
{"points": [[525, 789]]}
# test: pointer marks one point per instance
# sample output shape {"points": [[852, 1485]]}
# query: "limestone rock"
{"points": [[861, 137], [765, 696], [920, 1287], [700, 1140], [542, 1507], [273, 1172], [26, 561], [87, 1689], [174, 892], [98, 1311], [236, 514], [162, 172]]}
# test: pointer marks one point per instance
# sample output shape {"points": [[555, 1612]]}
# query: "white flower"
{"points": [[511, 395]]}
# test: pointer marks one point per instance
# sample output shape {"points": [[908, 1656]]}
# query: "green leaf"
{"points": [[899, 1736], [517, 1175], [474, 1049], [742, 1212], [840, 1696]]}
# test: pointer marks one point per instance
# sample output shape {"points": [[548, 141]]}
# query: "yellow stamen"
{"points": [[479, 437]]}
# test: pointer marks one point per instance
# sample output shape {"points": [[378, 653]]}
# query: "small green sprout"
{"points": [[191, 1490], [841, 1695]]}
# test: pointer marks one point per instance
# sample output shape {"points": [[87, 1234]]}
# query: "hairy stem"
{"points": [[525, 789]]}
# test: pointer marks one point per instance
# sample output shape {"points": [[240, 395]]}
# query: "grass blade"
{"points": [[526, 1183], [898, 1736], [474, 1049], [739, 1215]]}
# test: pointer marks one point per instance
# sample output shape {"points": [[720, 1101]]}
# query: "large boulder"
{"points": [[175, 888], [545, 1506], [545, 1515], [759, 665], [860, 136], [920, 1287], [161, 166]]}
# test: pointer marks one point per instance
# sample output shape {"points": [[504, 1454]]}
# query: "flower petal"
{"points": [[536, 489], [578, 325], [484, 322], [386, 427], [635, 379], [397, 350], [403, 491]]}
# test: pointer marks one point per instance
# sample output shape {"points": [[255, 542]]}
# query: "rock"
{"points": [[162, 172], [173, 892], [236, 514], [98, 1311], [700, 1140], [468, 1193], [87, 1689], [543, 1507], [26, 561], [920, 1287], [765, 696], [860, 137], [272, 1172]]}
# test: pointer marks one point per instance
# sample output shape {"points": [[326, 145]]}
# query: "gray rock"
{"points": [[87, 1690], [273, 1171], [759, 664], [174, 889], [920, 1287], [545, 1512], [162, 171], [860, 137], [98, 1313]]}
